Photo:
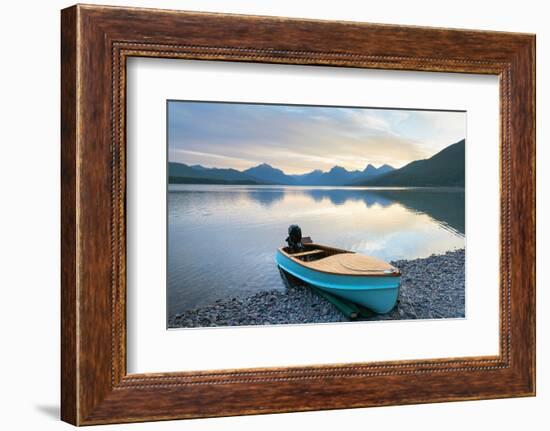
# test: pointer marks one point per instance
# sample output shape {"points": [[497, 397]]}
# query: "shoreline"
{"points": [[431, 288]]}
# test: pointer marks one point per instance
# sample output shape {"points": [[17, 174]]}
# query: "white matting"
{"points": [[153, 348]]}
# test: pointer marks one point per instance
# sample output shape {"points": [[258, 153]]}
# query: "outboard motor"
{"points": [[294, 239]]}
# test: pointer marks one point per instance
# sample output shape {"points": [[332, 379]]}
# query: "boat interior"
{"points": [[311, 252]]}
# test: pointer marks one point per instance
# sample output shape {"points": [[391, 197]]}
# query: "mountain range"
{"points": [[180, 173], [445, 168], [337, 176]]}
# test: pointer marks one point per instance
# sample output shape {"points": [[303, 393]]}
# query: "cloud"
{"points": [[298, 139]]}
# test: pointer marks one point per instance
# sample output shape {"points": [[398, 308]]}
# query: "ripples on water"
{"points": [[222, 239]]}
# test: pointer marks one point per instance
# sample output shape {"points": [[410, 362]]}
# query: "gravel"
{"points": [[431, 288]]}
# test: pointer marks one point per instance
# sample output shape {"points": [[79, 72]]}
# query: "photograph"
{"points": [[301, 214]]}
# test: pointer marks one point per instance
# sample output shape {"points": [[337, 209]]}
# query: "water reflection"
{"points": [[222, 239], [444, 205]]}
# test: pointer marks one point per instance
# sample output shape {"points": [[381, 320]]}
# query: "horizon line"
{"points": [[206, 166]]}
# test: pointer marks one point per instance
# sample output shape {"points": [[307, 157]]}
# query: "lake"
{"points": [[222, 239]]}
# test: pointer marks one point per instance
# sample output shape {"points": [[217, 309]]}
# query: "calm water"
{"points": [[222, 239]]}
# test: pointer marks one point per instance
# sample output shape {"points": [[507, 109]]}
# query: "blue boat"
{"points": [[361, 279]]}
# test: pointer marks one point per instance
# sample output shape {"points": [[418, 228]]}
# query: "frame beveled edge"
{"points": [[95, 43]]}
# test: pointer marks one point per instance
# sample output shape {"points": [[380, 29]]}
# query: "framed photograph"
{"points": [[263, 214]]}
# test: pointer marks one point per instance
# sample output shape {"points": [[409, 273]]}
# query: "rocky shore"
{"points": [[431, 288]]}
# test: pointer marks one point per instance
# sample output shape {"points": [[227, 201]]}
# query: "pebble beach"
{"points": [[431, 288]]}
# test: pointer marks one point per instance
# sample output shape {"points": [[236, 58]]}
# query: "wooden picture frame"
{"points": [[95, 43]]}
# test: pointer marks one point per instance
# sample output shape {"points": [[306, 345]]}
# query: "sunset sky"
{"points": [[299, 139]]}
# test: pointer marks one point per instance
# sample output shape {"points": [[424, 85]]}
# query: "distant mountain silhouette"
{"points": [[444, 169], [266, 173], [381, 170], [339, 176], [309, 179], [336, 176], [368, 173], [180, 173]]}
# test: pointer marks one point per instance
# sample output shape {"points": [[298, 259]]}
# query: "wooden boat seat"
{"points": [[307, 253], [352, 264]]}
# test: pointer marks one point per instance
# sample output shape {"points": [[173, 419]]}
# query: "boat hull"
{"points": [[377, 293]]}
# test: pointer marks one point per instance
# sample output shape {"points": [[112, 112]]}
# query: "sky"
{"points": [[298, 139]]}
